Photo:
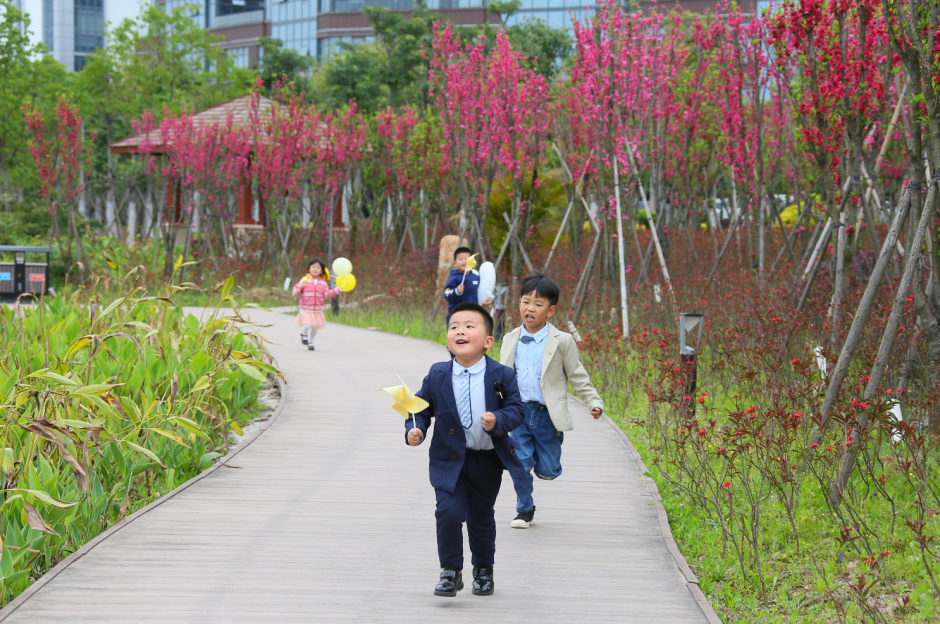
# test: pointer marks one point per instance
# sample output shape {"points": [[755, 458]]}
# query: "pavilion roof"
{"points": [[239, 109]]}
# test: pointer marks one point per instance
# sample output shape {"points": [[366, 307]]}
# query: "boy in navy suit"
{"points": [[476, 402]]}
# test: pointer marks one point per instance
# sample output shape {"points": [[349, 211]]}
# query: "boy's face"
{"points": [[467, 338], [460, 262], [535, 311]]}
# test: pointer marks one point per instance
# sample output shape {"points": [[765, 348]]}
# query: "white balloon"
{"points": [[342, 266], [487, 282]]}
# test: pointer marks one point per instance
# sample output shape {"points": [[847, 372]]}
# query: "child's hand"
{"points": [[596, 412], [460, 289], [488, 419], [415, 436]]}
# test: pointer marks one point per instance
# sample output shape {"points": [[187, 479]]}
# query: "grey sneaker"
{"points": [[303, 338], [310, 347], [524, 520]]}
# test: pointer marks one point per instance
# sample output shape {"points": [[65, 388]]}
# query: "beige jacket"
{"points": [[560, 364]]}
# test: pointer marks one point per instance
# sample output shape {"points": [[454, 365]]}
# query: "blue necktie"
{"points": [[527, 339], [463, 401]]}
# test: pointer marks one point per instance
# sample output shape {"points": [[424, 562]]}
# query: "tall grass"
{"points": [[104, 406]]}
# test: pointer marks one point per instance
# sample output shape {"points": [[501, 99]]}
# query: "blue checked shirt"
{"points": [[528, 364], [477, 438]]}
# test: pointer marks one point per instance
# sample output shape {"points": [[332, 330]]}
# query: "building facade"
{"points": [[71, 29], [314, 27]]}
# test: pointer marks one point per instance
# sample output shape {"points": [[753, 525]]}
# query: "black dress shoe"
{"points": [[483, 581], [451, 582]]}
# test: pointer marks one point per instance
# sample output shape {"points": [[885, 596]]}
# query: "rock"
{"points": [[445, 261]]}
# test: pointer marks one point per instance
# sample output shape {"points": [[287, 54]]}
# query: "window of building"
{"points": [[239, 56], [357, 5], [48, 32], [89, 26], [232, 7]]}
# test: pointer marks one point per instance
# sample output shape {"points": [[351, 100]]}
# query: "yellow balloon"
{"points": [[346, 282], [342, 266]]}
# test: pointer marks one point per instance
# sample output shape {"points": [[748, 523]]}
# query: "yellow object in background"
{"points": [[346, 282], [405, 401]]}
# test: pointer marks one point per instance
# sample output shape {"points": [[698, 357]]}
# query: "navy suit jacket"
{"points": [[449, 443], [471, 283]]}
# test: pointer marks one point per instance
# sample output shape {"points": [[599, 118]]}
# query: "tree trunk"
{"points": [[624, 316], [887, 339], [131, 222], [110, 212], [82, 208], [835, 309], [147, 230], [581, 289]]}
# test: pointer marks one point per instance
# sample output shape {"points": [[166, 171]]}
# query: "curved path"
{"points": [[328, 517]]}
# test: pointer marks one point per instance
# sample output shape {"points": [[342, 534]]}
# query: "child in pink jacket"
{"points": [[311, 291]]}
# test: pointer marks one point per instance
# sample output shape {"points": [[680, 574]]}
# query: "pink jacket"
{"points": [[313, 293]]}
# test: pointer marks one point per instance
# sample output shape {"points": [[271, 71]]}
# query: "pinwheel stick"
{"points": [[405, 402]]}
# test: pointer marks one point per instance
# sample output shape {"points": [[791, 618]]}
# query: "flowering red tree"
{"points": [[619, 75], [838, 50], [332, 149], [457, 87], [494, 114], [58, 162]]}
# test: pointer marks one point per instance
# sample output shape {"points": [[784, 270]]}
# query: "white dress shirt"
{"points": [[477, 438], [528, 364]]}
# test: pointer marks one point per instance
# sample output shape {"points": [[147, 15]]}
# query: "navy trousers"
{"points": [[472, 501]]}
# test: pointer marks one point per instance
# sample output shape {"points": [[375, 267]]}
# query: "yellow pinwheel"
{"points": [[471, 264], [405, 401]]}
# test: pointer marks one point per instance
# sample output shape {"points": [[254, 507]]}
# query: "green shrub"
{"points": [[105, 406]]}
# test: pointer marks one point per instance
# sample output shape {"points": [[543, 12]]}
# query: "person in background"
{"points": [[311, 291], [462, 285]]}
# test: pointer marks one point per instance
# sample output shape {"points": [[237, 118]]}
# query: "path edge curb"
{"points": [[690, 579], [30, 591]]}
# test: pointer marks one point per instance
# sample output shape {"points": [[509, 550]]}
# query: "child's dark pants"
{"points": [[472, 501]]}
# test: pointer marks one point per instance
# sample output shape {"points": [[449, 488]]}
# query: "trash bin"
{"points": [[17, 276]]}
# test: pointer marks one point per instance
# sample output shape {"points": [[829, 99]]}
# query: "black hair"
{"points": [[468, 306], [461, 250], [542, 286], [323, 270]]}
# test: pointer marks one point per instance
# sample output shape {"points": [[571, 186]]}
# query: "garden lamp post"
{"points": [[688, 324]]}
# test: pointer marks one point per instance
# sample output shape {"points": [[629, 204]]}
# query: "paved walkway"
{"points": [[329, 517]]}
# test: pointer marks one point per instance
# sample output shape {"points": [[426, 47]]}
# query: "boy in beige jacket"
{"points": [[545, 360]]}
